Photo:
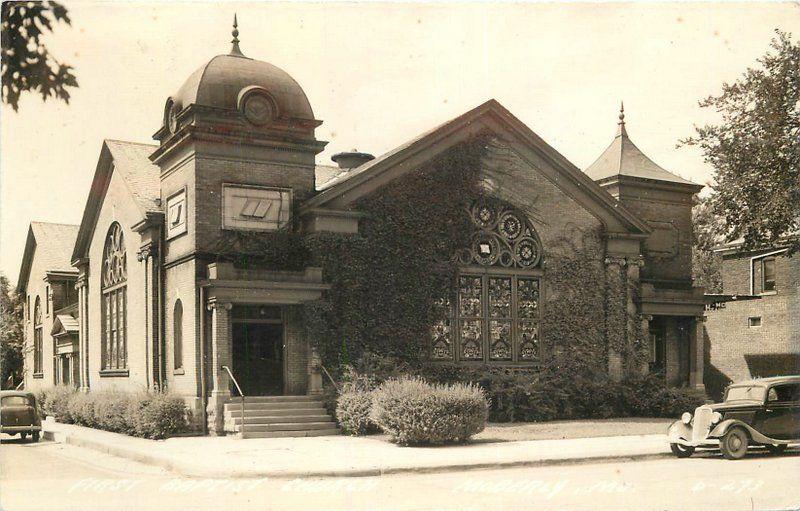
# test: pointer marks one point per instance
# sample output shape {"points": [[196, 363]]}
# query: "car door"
{"points": [[779, 415]]}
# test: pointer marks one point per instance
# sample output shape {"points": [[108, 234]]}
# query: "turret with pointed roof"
{"points": [[655, 195]]}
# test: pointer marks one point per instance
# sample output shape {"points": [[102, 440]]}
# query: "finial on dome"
{"points": [[235, 48], [621, 123]]}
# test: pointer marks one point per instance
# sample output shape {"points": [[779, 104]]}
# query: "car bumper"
{"points": [[680, 433], [19, 429]]}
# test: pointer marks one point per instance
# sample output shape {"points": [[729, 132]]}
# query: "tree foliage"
{"points": [[27, 65], [709, 231], [755, 148], [12, 340]]}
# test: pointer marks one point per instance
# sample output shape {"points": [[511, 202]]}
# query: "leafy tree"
{"points": [[755, 149], [12, 339], [26, 64], [709, 231]]}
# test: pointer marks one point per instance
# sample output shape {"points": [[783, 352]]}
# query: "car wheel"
{"points": [[23, 436], [776, 448], [681, 451], [734, 444], [35, 436]]}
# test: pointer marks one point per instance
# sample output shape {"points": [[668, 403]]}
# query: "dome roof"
{"points": [[220, 81]]}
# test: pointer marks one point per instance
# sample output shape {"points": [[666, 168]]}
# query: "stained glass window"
{"points": [[496, 314], [442, 331], [114, 282]]}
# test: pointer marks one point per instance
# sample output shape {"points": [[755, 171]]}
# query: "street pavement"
{"points": [[51, 476]]}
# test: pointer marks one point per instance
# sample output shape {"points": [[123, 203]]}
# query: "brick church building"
{"points": [[136, 297]]}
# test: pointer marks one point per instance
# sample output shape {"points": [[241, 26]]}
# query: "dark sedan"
{"points": [[18, 414], [763, 412]]}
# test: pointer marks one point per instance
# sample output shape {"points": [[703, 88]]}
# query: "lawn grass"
{"points": [[515, 431]]}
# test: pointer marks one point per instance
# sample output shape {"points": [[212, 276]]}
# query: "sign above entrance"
{"points": [[255, 207]]}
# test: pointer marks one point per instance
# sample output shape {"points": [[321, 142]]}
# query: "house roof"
{"points": [[52, 244], [131, 161], [141, 178], [623, 158], [64, 324], [347, 187], [323, 174]]}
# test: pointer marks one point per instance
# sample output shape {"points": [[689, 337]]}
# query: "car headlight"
{"points": [[686, 418], [716, 417]]}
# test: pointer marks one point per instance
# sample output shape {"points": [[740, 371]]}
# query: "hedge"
{"points": [[146, 414], [412, 411]]}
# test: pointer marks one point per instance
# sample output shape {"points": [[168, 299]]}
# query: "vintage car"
{"points": [[763, 412], [18, 414]]}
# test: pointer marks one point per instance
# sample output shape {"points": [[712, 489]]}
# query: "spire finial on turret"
{"points": [[621, 123], [235, 33]]}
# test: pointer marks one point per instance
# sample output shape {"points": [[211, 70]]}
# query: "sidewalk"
{"points": [[343, 456]]}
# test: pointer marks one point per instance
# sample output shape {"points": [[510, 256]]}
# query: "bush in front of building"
{"points": [[414, 412], [354, 403], [152, 415]]}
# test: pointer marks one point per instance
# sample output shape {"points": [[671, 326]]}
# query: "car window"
{"points": [[789, 392], [755, 392], [15, 401]]}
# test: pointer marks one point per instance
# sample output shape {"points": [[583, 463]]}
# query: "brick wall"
{"points": [[737, 350], [118, 207], [38, 287], [212, 172], [296, 351]]}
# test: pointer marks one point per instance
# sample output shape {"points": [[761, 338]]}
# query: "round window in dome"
{"points": [[257, 106]]}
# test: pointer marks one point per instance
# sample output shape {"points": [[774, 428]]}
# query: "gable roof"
{"points": [[52, 243], [141, 178], [623, 158], [64, 324], [346, 188]]}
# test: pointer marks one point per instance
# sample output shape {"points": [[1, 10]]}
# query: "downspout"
{"points": [[161, 301]]}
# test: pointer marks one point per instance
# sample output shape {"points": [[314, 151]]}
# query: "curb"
{"points": [[191, 471]]}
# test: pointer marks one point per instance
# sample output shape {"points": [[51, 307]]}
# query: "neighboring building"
{"points": [[753, 328], [47, 285], [160, 307]]}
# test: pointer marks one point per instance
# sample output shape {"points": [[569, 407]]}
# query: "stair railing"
{"points": [[241, 394], [324, 370]]}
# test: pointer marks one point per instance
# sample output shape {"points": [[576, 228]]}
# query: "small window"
{"points": [[177, 334], [768, 274], [16, 401], [754, 322]]}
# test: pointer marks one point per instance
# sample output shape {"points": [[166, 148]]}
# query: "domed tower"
{"points": [[236, 150]]}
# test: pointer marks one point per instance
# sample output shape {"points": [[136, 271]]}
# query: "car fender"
{"points": [[679, 431], [723, 427]]}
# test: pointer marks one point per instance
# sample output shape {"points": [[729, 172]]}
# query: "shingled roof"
{"points": [[52, 244], [132, 163], [623, 158]]}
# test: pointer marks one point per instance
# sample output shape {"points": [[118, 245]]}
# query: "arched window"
{"points": [[494, 315], [177, 334], [37, 337], [114, 279]]}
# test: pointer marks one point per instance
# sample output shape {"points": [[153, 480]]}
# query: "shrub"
{"points": [[55, 402], [353, 412], [149, 415], [354, 403], [157, 415], [413, 411]]}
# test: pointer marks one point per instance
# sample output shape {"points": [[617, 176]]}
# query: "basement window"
{"points": [[754, 322]]}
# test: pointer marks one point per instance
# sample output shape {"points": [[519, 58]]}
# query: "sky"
{"points": [[379, 74]]}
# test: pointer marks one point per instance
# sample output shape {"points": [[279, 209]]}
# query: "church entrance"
{"points": [[258, 349]]}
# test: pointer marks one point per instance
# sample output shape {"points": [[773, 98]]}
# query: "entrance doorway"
{"points": [[258, 350]]}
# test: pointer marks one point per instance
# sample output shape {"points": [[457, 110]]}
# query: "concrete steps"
{"points": [[278, 416]]}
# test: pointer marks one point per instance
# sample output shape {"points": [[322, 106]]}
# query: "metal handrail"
{"points": [[241, 394], [324, 370]]}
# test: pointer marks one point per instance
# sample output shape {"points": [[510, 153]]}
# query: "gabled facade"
{"points": [[168, 299], [47, 285]]}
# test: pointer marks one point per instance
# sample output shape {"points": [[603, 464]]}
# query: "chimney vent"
{"points": [[351, 159]]}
